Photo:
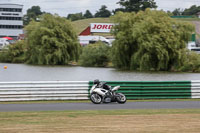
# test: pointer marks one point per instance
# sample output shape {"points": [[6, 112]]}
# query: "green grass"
{"points": [[80, 25], [187, 19], [76, 113], [31, 117], [107, 121]]}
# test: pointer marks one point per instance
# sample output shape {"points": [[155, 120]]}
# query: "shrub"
{"points": [[14, 53], [95, 55], [192, 63]]}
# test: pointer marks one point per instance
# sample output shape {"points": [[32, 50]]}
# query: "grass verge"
{"points": [[128, 121], [86, 101]]}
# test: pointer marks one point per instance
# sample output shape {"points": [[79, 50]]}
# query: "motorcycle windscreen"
{"points": [[116, 88]]}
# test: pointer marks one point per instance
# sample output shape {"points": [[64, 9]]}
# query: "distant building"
{"points": [[11, 22]]}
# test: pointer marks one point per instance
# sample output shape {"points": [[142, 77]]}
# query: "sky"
{"points": [[65, 7]]}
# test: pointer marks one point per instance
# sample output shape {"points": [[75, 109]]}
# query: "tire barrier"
{"points": [[79, 90]]}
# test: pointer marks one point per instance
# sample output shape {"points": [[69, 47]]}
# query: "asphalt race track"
{"points": [[91, 106]]}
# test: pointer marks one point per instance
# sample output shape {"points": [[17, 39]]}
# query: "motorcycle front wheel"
{"points": [[120, 98], [96, 98]]}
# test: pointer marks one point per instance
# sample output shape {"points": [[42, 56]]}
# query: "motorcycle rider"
{"points": [[103, 85]]}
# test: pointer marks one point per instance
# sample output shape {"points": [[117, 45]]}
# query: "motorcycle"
{"points": [[98, 94]]}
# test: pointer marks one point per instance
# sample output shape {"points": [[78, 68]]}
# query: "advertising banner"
{"points": [[101, 27]]}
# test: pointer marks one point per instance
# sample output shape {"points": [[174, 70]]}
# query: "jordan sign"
{"points": [[101, 27]]}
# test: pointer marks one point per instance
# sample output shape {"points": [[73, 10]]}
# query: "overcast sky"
{"points": [[64, 7]]}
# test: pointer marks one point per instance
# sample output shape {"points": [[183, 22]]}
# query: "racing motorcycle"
{"points": [[100, 95]]}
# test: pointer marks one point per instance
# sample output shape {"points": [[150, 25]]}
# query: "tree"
{"points": [[118, 10], [95, 55], [76, 16], [136, 5], [52, 41], [33, 13], [193, 10], [149, 40], [169, 13], [103, 12], [88, 14], [177, 12]]}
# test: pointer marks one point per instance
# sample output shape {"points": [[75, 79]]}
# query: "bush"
{"points": [[95, 55], [14, 53], [192, 63]]}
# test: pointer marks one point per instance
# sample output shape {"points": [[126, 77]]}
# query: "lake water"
{"points": [[22, 72]]}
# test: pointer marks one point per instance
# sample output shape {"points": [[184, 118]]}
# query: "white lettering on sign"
{"points": [[14, 14], [101, 27]]}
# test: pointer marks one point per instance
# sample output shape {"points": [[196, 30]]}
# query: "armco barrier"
{"points": [[79, 90], [195, 89], [154, 89], [43, 90]]}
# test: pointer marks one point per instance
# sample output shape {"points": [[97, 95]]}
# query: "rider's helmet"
{"points": [[96, 81]]}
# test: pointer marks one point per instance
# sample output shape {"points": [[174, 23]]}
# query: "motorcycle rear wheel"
{"points": [[96, 98], [120, 98]]}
